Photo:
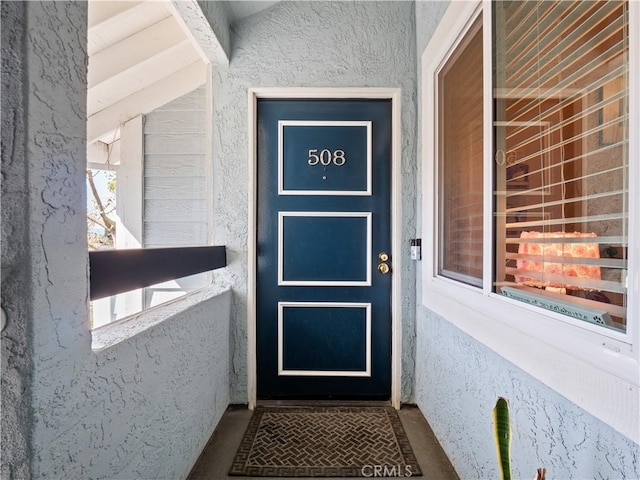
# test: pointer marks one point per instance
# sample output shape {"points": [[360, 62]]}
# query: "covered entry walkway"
{"points": [[141, 398], [217, 457]]}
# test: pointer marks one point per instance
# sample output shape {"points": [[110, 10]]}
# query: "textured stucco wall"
{"points": [[428, 15], [144, 407], [458, 380], [141, 408], [214, 41], [15, 355], [308, 44]]}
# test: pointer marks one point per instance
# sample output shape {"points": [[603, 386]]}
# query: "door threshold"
{"points": [[323, 403]]}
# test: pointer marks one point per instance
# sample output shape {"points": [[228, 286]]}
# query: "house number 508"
{"points": [[326, 157]]}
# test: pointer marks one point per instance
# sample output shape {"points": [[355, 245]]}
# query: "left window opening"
{"points": [[153, 195], [149, 138]]}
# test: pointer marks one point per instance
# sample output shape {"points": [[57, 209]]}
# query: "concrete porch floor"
{"points": [[215, 461]]}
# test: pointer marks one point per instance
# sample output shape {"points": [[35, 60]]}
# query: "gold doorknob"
{"points": [[383, 268], [383, 256]]}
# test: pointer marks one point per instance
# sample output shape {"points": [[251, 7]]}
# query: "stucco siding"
{"points": [[218, 16], [309, 44], [458, 380], [457, 383], [145, 406], [17, 344]]}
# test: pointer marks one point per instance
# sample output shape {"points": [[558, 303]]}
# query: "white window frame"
{"points": [[596, 368]]}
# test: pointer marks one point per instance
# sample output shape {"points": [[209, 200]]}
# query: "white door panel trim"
{"points": [[324, 373], [322, 283], [323, 123]]}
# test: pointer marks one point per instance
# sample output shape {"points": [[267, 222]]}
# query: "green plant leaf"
{"points": [[502, 435]]}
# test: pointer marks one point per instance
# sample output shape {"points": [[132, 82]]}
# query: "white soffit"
{"points": [[139, 55]]}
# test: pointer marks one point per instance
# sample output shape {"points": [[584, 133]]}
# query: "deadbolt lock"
{"points": [[383, 268], [383, 256]]}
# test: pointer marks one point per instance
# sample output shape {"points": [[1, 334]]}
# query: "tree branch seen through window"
{"points": [[101, 224]]}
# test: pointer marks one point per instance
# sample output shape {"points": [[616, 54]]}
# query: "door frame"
{"points": [[304, 93]]}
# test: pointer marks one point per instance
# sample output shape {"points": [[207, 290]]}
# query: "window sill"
{"points": [[596, 372], [119, 331]]}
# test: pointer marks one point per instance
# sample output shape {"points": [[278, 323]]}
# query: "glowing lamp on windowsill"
{"points": [[550, 272]]}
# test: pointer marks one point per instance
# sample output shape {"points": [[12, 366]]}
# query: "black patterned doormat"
{"points": [[325, 442]]}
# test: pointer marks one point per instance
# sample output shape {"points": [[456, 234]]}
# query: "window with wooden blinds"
{"points": [[460, 161], [561, 156]]}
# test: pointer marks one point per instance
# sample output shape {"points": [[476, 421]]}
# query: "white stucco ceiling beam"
{"points": [[243, 9], [140, 76], [134, 49], [146, 100], [110, 25], [195, 24]]}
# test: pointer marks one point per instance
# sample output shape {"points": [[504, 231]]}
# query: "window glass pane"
{"points": [[561, 156], [460, 161]]}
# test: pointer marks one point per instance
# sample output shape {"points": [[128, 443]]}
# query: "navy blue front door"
{"points": [[323, 292]]}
